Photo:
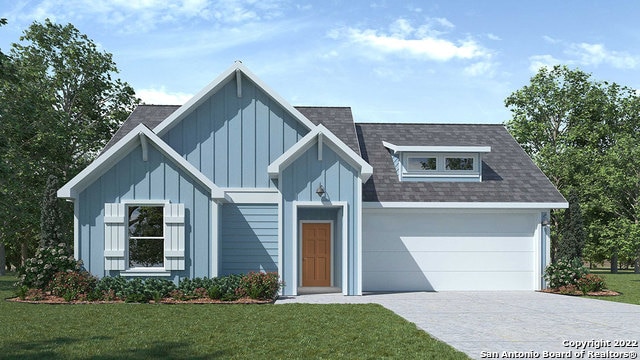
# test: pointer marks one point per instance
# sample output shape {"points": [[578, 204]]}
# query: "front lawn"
{"points": [[625, 282], [143, 331]]}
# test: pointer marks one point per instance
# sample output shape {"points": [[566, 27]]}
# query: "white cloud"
{"points": [[550, 40], [493, 37], [481, 68], [596, 54], [144, 15], [162, 97], [404, 40], [542, 61]]}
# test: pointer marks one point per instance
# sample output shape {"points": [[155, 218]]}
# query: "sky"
{"points": [[443, 61]]}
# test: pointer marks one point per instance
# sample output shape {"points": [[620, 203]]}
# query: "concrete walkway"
{"points": [[486, 324]]}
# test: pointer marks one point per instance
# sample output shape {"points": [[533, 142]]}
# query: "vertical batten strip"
{"points": [[238, 83]]}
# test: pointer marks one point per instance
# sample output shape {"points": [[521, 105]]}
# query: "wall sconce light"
{"points": [[545, 220], [320, 191]]}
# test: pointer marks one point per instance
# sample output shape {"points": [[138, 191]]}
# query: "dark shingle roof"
{"points": [[337, 119], [149, 115], [508, 174]]}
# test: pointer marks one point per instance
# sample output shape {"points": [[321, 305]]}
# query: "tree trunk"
{"points": [[636, 266], [24, 252], [3, 259], [614, 263]]}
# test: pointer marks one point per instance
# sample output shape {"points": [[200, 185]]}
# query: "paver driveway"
{"points": [[486, 324]]}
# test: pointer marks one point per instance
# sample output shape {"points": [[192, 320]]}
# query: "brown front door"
{"points": [[316, 254]]}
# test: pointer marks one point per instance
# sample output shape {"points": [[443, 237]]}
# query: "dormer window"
{"points": [[438, 163]]}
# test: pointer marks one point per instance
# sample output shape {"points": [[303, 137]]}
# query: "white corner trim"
{"points": [[216, 85], [463, 205], [437, 149], [278, 165], [110, 157]]}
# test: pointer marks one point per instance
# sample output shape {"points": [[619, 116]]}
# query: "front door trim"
{"points": [[297, 246], [331, 242]]}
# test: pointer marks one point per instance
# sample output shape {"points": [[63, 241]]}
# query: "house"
{"points": [[238, 180]]}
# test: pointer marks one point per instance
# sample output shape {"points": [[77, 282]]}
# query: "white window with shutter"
{"points": [[144, 237]]}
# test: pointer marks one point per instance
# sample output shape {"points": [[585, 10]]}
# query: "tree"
{"points": [[571, 125], [51, 217], [62, 107], [573, 235]]}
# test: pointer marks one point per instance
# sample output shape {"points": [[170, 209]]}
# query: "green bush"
{"points": [[564, 272], [159, 288], [590, 283], [39, 270], [225, 288], [109, 288], [72, 285], [190, 286], [134, 290], [261, 286]]}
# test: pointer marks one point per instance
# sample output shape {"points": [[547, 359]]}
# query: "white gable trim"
{"points": [[232, 73], [320, 133], [439, 149], [123, 147]]}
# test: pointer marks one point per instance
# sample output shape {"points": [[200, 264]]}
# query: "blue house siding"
{"points": [[299, 182], [157, 179], [232, 140], [249, 238]]}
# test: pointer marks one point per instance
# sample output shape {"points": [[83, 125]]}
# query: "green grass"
{"points": [[144, 331], [625, 282]]}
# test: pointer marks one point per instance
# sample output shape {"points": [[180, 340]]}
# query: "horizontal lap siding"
{"points": [[233, 140], [249, 238]]}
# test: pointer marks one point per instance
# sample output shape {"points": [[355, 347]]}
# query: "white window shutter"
{"points": [[114, 236], [174, 234]]}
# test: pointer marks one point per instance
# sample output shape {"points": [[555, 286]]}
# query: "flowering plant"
{"points": [[39, 270]]}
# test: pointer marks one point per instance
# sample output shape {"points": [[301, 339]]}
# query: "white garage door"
{"points": [[407, 250]]}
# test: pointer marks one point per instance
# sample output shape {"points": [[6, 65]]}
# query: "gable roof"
{"points": [[236, 72], [338, 120], [508, 174], [320, 133], [139, 135]]}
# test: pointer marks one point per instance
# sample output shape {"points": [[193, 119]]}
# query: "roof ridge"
{"points": [[417, 123]]}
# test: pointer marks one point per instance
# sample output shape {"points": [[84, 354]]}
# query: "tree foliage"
{"points": [[585, 136], [51, 217], [60, 105], [573, 233]]}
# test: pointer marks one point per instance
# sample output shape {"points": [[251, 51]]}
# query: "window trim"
{"points": [[145, 271], [440, 170], [163, 238]]}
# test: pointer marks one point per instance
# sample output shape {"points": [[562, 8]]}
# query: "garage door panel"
{"points": [[486, 242], [449, 223], [406, 250], [446, 281], [443, 261]]}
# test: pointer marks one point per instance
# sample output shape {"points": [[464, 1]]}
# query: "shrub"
{"points": [[72, 285], [134, 290], [261, 286], [568, 290], [564, 272], [590, 283], [39, 270], [190, 286], [225, 288], [159, 288], [109, 288]]}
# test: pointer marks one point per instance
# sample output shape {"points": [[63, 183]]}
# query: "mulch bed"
{"points": [[56, 300], [579, 293]]}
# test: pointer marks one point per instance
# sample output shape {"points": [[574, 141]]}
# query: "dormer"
{"points": [[438, 163]]}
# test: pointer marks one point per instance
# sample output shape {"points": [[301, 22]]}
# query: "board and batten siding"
{"points": [[233, 140], [132, 179], [299, 182], [249, 238]]}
